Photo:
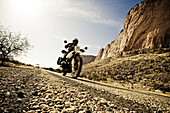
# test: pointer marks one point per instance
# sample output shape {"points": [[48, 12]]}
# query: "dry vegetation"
{"points": [[145, 71]]}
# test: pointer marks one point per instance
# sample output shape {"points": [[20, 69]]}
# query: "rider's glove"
{"points": [[66, 46]]}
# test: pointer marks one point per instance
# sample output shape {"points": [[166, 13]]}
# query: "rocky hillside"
{"points": [[146, 26], [143, 71], [88, 58]]}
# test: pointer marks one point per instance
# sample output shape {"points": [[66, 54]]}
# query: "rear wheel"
{"points": [[77, 65]]}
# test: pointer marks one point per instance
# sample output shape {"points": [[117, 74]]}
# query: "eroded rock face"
{"points": [[99, 54], [147, 25]]}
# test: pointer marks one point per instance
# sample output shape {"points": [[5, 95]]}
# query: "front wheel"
{"points": [[76, 66], [64, 73]]}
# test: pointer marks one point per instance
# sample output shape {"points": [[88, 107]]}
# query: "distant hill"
{"points": [[147, 26], [88, 58]]}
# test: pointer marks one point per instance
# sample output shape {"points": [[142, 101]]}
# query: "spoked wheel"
{"points": [[76, 66]]}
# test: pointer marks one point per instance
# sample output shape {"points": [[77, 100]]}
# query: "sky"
{"points": [[47, 23]]}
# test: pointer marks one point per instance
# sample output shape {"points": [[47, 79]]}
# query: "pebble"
{"points": [[53, 112], [103, 101], [21, 94], [19, 100], [158, 91], [112, 105], [31, 111], [67, 104], [8, 93], [36, 107], [59, 106]]}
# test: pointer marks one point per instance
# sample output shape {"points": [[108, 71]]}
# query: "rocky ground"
{"points": [[35, 90], [143, 71]]}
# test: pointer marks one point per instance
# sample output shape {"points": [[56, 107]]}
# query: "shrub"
{"points": [[103, 78], [94, 76]]}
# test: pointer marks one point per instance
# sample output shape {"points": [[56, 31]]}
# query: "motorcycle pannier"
{"points": [[59, 61]]}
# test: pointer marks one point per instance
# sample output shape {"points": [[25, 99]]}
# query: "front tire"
{"points": [[77, 64], [64, 73]]}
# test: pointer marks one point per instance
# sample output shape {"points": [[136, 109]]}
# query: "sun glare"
{"points": [[25, 6]]}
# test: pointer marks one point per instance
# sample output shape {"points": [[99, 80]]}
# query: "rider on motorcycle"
{"points": [[75, 42], [72, 48], [71, 62]]}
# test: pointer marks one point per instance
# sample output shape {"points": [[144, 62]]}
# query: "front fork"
{"points": [[73, 65], [73, 62]]}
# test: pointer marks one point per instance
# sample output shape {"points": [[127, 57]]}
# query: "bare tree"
{"points": [[11, 44]]}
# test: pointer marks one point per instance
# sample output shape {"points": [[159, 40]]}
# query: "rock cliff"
{"points": [[99, 54], [147, 25]]}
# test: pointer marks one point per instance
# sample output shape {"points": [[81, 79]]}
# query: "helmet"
{"points": [[75, 40]]}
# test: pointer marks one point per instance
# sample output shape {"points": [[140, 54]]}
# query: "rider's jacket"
{"points": [[72, 48]]}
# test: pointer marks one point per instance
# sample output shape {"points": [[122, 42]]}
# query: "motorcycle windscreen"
{"points": [[77, 49]]}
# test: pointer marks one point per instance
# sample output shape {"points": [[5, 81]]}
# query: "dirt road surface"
{"points": [[36, 90]]}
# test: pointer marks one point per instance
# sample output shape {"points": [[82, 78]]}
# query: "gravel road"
{"points": [[36, 90]]}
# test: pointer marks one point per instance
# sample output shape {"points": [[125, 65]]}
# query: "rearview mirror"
{"points": [[63, 51], [65, 41]]}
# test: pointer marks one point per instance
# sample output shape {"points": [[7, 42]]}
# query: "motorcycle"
{"points": [[71, 62]]}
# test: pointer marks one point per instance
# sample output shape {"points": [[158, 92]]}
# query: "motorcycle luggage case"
{"points": [[59, 60]]}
